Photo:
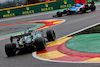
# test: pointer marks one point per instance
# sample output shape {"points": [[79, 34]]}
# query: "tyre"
{"points": [[83, 10], [92, 7], [40, 43], [51, 36], [59, 14], [10, 49], [86, 7]]}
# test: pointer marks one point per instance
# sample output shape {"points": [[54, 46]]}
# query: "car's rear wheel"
{"points": [[51, 36], [59, 14], [10, 49], [92, 7], [40, 43]]}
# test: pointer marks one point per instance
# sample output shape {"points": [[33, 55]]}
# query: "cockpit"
{"points": [[29, 31], [77, 5]]}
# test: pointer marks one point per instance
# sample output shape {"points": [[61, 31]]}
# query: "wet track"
{"points": [[73, 23]]}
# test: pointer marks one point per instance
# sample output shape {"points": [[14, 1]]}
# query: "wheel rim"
{"points": [[53, 35]]}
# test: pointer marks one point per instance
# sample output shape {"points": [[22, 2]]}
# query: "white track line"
{"points": [[34, 54]]}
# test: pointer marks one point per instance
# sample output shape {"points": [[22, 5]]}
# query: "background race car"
{"points": [[77, 8], [30, 40]]}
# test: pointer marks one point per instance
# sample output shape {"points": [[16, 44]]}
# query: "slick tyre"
{"points": [[59, 14], [51, 36], [40, 43], [92, 7], [10, 49]]}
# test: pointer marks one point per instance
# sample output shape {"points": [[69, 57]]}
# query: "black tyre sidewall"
{"points": [[51, 35], [92, 7], [59, 14], [9, 49], [40, 43]]}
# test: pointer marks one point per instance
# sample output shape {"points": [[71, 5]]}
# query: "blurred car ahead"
{"points": [[82, 8]]}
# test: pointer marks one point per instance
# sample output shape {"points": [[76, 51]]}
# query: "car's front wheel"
{"points": [[51, 36], [59, 14], [92, 7]]}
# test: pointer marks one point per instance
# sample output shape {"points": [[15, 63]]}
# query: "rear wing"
{"points": [[18, 36], [91, 2]]}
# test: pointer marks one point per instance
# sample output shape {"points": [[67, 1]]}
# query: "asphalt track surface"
{"points": [[73, 23], [13, 29]]}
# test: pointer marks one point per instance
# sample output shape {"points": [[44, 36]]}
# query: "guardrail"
{"points": [[35, 8]]}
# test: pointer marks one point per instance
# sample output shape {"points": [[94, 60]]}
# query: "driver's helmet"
{"points": [[27, 31]]}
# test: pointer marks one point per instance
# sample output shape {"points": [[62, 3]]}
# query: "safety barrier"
{"points": [[35, 8]]}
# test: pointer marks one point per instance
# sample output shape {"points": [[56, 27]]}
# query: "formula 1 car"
{"points": [[77, 8], [30, 40]]}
